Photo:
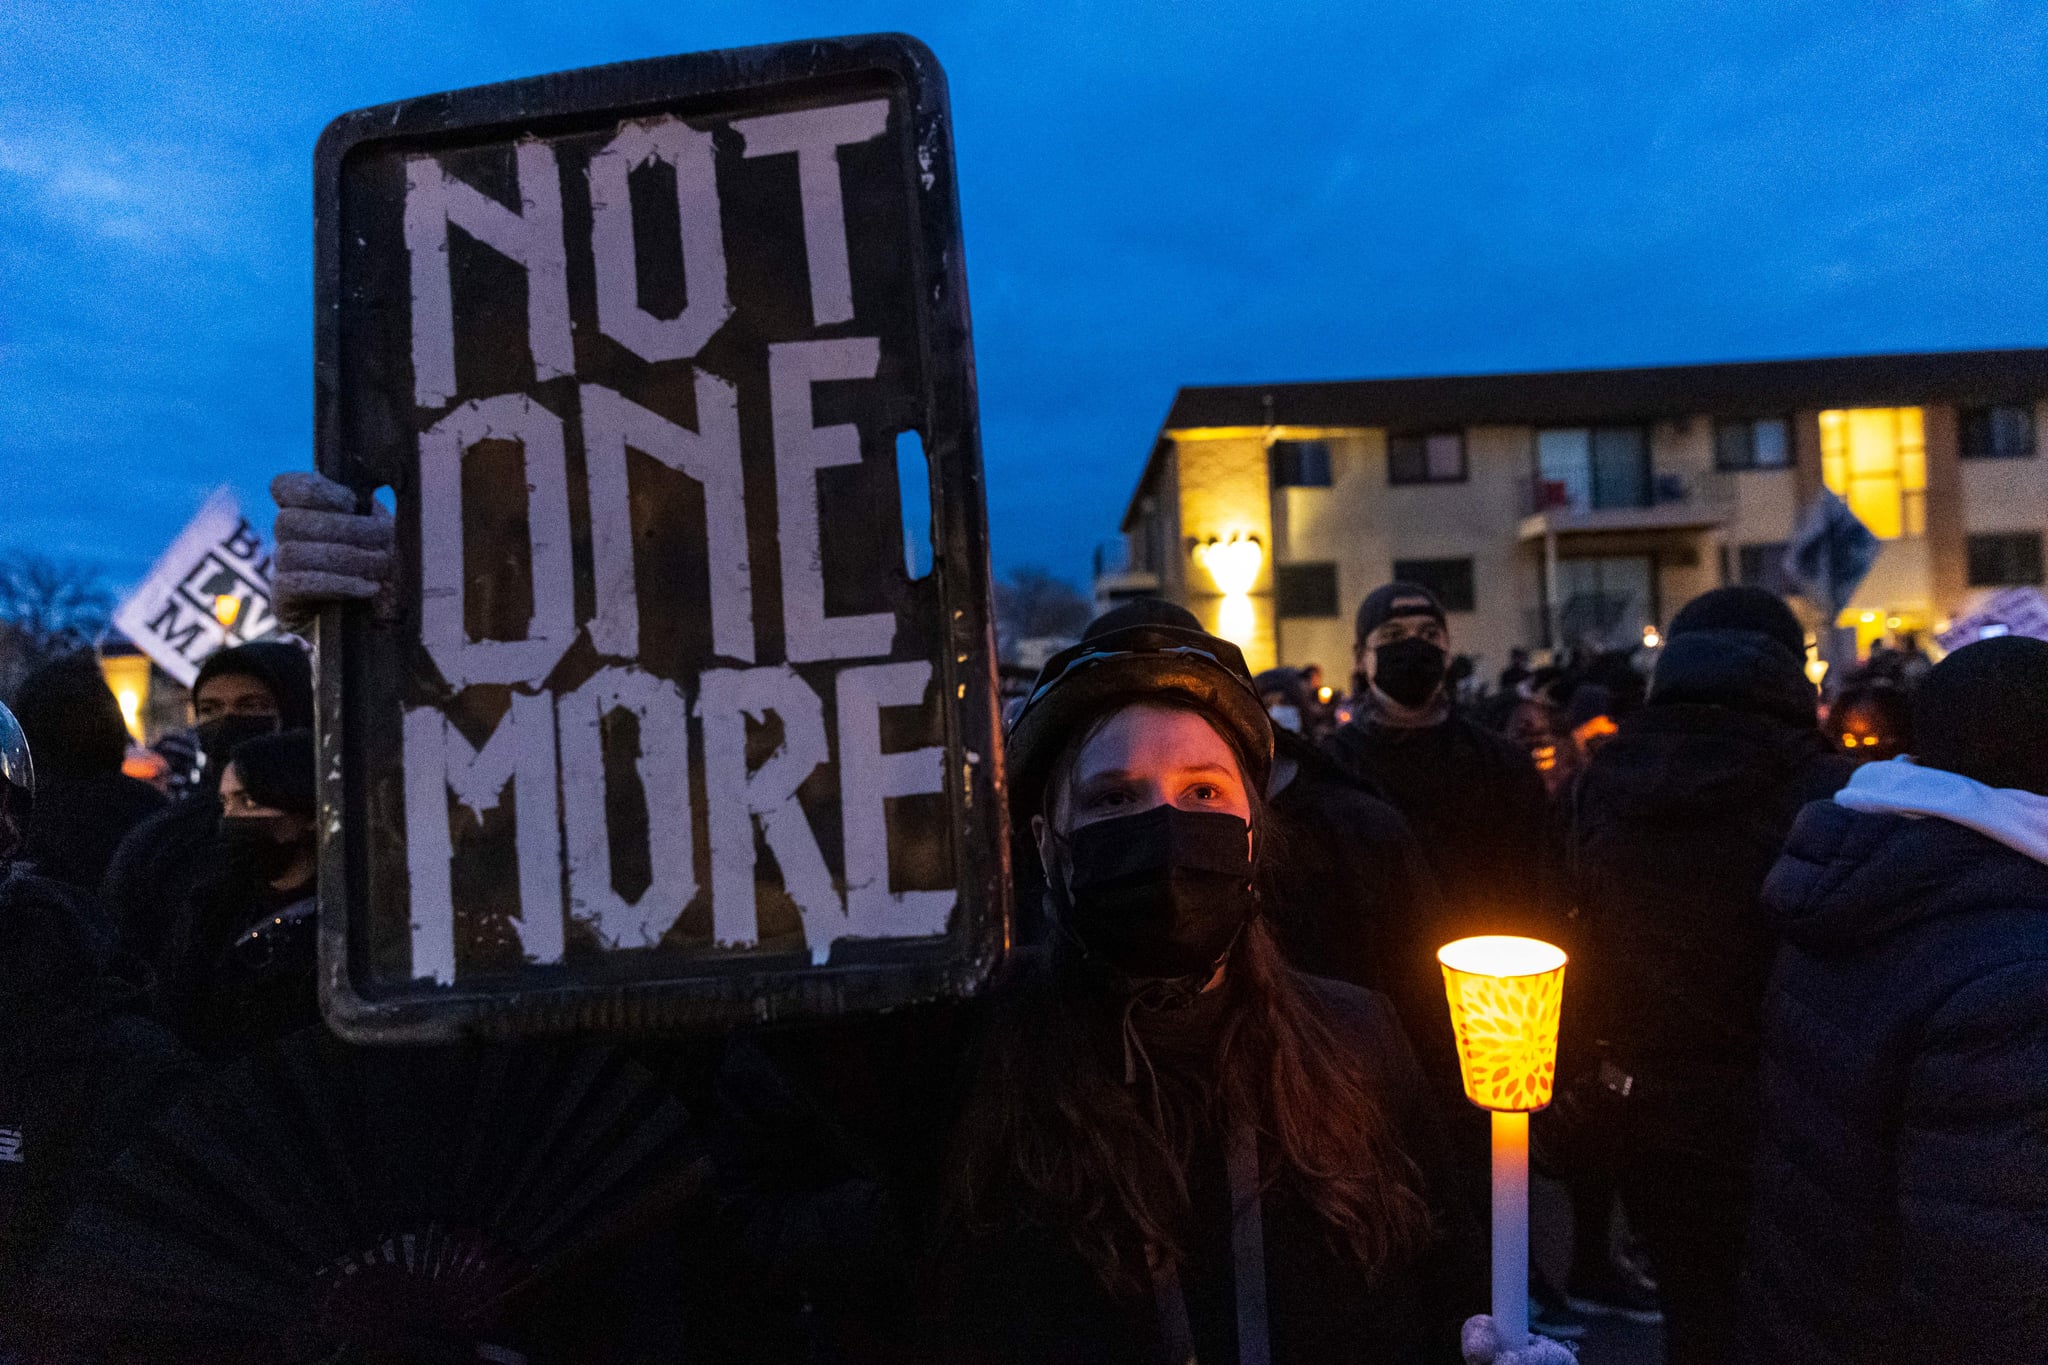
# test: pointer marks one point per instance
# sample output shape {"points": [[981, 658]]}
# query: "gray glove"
{"points": [[327, 551], [1481, 1344]]}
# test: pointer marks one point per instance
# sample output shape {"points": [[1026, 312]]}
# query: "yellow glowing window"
{"points": [[1875, 459]]}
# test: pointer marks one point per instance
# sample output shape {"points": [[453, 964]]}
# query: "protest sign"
{"points": [[668, 728], [2012, 611], [209, 590]]}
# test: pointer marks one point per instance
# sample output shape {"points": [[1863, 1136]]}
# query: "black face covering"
{"points": [[1163, 893], [219, 736], [249, 845], [1409, 671]]}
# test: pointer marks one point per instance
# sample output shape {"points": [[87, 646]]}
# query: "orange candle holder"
{"points": [[1506, 995]]}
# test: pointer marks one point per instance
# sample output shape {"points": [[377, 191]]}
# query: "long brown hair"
{"points": [[1054, 1135]]}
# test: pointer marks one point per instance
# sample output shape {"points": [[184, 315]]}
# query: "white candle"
{"points": [[1511, 1229]]}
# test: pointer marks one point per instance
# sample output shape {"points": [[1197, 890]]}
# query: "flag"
{"points": [[1830, 553]]}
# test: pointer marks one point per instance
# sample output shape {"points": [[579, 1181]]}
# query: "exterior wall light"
{"points": [[1233, 563]]}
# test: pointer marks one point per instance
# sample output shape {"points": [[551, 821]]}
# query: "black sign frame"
{"points": [[358, 643]]}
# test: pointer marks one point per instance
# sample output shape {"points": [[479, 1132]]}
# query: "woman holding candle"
{"points": [[1178, 1148]]}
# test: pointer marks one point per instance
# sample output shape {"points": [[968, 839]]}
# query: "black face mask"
{"points": [[250, 846], [219, 736], [1409, 671], [1164, 893]]}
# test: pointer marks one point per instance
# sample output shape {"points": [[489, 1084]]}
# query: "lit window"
{"points": [[1875, 459]]}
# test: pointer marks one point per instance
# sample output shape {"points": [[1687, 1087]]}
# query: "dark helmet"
{"points": [[17, 781], [1126, 663]]}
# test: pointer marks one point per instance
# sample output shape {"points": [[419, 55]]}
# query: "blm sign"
{"points": [[685, 713]]}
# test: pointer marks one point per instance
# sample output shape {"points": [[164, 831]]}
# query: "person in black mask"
{"points": [[1177, 1147], [1471, 795], [241, 966], [240, 693]]}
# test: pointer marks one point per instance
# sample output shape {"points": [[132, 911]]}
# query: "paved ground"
{"points": [[1612, 1341]]}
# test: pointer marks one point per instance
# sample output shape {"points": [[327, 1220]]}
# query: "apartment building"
{"points": [[1584, 507]]}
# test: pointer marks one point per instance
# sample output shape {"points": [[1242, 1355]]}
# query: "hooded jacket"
{"points": [[1902, 1166], [1672, 829]]}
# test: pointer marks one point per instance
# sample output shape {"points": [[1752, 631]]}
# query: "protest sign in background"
{"points": [[2012, 611], [210, 589], [671, 726]]}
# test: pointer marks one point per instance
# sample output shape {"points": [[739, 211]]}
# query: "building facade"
{"points": [[1582, 508]]}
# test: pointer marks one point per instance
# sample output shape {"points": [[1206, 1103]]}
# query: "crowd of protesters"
{"points": [[1209, 1109]]}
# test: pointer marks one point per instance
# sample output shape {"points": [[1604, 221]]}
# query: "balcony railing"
{"points": [[1669, 501]]}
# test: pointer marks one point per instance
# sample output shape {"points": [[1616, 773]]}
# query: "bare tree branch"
{"points": [[47, 607]]}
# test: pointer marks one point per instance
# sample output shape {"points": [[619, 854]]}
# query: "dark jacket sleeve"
{"points": [[1973, 1174]]}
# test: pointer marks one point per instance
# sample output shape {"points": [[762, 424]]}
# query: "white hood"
{"points": [[2017, 819]]}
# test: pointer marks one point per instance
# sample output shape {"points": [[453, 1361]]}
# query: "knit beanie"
{"points": [[1983, 712], [1378, 607], [72, 721], [1744, 608], [277, 771]]}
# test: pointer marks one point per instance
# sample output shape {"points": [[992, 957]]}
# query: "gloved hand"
{"points": [[327, 552], [1481, 1344]]}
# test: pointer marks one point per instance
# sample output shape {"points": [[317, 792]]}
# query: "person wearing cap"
{"points": [[1671, 830], [1472, 796], [1902, 1172], [240, 963], [1176, 1147], [241, 692]]}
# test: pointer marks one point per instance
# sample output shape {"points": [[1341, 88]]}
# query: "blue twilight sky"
{"points": [[1160, 193]]}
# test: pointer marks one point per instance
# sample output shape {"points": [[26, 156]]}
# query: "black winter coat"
{"points": [[1023, 1297], [78, 822], [155, 870], [1672, 829], [1902, 1171], [80, 1069], [1350, 896], [1476, 806]]}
